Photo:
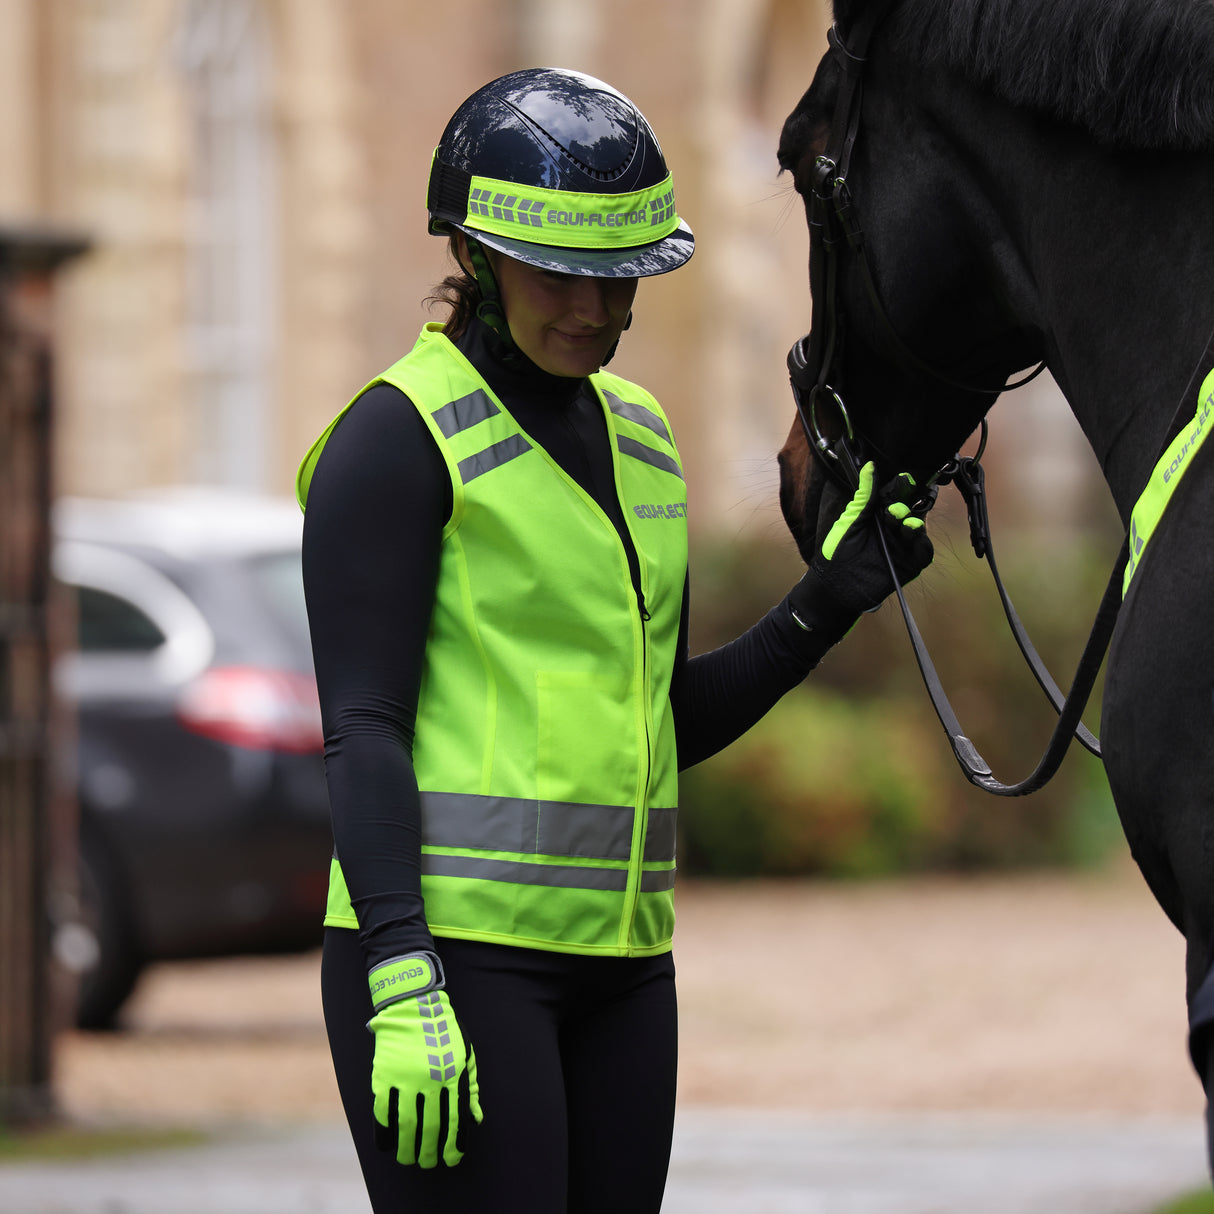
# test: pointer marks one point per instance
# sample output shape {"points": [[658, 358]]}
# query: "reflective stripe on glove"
{"points": [[423, 1077], [849, 575]]}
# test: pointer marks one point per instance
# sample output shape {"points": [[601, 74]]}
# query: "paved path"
{"points": [[724, 1163], [892, 1006], [770, 1164]]}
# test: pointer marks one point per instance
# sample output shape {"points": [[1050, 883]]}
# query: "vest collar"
{"points": [[514, 377]]}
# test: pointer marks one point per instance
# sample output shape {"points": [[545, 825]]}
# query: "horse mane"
{"points": [[1134, 73]]}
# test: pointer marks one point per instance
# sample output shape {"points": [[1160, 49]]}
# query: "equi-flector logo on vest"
{"points": [[672, 510]]}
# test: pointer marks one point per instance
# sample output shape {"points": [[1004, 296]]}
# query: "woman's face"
{"points": [[564, 323]]}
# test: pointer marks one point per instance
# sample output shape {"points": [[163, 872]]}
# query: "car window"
{"points": [[280, 578], [107, 623]]}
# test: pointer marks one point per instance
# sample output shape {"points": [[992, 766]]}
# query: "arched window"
{"points": [[223, 54]]}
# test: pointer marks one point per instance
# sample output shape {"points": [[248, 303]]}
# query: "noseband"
{"points": [[815, 375]]}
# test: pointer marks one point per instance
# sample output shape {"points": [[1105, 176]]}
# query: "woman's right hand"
{"points": [[423, 1077]]}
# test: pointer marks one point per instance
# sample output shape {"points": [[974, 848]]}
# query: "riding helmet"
{"points": [[559, 170]]}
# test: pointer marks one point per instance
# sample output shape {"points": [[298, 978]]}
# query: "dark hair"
{"points": [[460, 292]]}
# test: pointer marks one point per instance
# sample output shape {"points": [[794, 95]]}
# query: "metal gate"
{"points": [[37, 817]]}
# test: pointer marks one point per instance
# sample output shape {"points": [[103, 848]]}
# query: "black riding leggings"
{"points": [[576, 1058]]}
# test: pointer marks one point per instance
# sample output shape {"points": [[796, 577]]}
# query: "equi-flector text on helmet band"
{"points": [[567, 219]]}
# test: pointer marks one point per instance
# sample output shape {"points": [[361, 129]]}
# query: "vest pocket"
{"points": [[586, 749]]}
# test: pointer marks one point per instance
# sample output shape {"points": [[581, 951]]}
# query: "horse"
{"points": [[1032, 182]]}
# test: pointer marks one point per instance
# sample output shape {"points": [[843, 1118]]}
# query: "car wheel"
{"points": [[111, 973]]}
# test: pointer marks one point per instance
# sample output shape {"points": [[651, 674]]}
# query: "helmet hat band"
{"points": [[569, 220]]}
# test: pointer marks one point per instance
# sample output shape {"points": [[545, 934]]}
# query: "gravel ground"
{"points": [[1056, 994]]}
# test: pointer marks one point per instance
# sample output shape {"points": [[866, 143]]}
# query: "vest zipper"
{"points": [[642, 808], [632, 559]]}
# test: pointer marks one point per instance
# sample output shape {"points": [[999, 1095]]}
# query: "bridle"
{"points": [[834, 228], [813, 366]]}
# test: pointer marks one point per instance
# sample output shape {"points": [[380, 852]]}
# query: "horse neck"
{"points": [[1121, 252], [1114, 265]]}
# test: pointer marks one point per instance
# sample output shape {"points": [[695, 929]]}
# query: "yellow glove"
{"points": [[423, 1077]]}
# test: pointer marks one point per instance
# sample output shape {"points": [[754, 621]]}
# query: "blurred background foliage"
{"points": [[254, 190], [852, 775]]}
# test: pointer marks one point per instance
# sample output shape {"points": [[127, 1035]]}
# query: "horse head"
{"points": [[921, 306], [1031, 181]]}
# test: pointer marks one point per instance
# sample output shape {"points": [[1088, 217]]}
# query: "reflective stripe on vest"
{"points": [[640, 415], [554, 876], [544, 746], [629, 446], [467, 411], [493, 456], [511, 824]]}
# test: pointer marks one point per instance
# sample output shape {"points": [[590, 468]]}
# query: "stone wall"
{"points": [[260, 245]]}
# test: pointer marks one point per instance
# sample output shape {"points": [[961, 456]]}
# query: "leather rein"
{"points": [[835, 228]]}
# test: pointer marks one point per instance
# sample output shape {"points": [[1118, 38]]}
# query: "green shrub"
{"points": [[824, 784], [1200, 1202], [852, 774]]}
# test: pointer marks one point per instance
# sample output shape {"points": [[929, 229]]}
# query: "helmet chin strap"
{"points": [[615, 345], [490, 310]]}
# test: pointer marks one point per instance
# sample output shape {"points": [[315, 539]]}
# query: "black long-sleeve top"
{"points": [[379, 497]]}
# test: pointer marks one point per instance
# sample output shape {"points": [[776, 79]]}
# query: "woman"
{"points": [[495, 557]]}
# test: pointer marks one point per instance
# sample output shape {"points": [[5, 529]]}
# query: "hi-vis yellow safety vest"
{"points": [[545, 749]]}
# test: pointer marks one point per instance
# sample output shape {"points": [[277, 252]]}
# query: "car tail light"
{"points": [[260, 709]]}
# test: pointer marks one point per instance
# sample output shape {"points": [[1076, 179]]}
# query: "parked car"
{"points": [[204, 822]]}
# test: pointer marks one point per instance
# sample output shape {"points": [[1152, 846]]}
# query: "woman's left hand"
{"points": [[851, 562], [850, 574]]}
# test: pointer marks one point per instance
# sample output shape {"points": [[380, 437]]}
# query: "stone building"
{"points": [[252, 174]]}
